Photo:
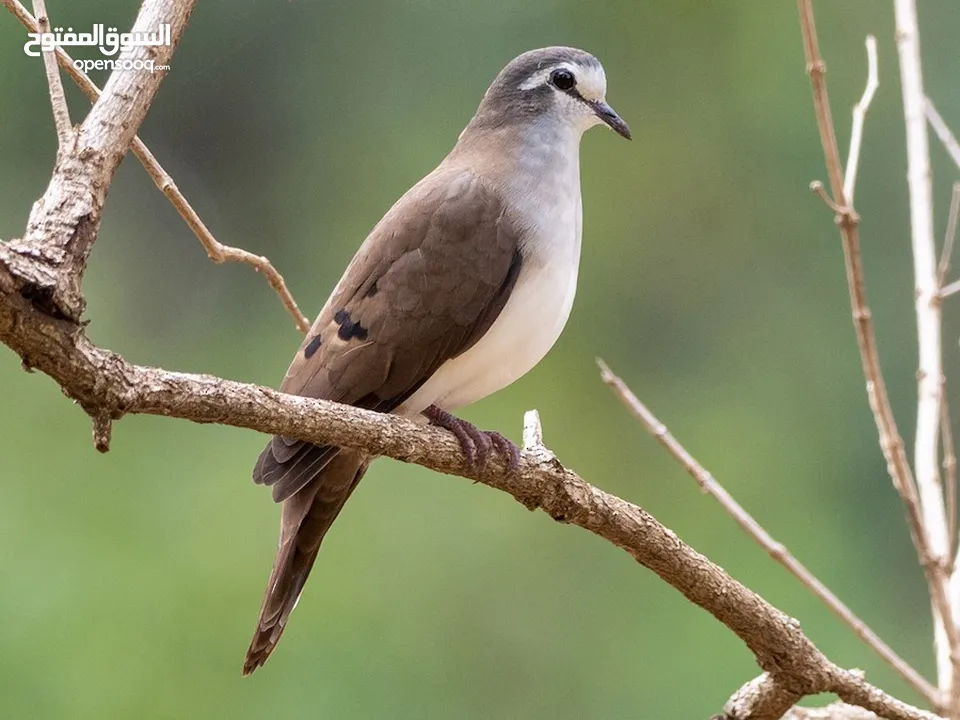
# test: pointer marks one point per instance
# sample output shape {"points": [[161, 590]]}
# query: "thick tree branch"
{"points": [[834, 711], [765, 698], [105, 384]]}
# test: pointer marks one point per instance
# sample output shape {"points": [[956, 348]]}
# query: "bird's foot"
{"points": [[475, 443]]}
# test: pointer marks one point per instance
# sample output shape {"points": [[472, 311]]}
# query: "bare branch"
{"points": [[103, 383], [942, 130], [834, 711], [816, 187], [61, 113], [891, 443], [763, 698], [859, 116], [767, 698], [950, 473], [776, 550], [927, 308], [63, 224], [949, 238], [817, 69], [40, 308], [217, 252]]}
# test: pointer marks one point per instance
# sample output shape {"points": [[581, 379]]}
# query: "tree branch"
{"points": [[929, 551], [40, 310], [943, 132], [61, 114], [105, 384], [926, 453], [50, 259], [216, 251], [765, 698], [776, 550], [834, 711], [949, 239], [859, 117]]}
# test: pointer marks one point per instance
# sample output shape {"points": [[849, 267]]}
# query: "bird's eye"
{"points": [[563, 79]]}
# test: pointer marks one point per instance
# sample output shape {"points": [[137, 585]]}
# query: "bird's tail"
{"points": [[306, 518]]}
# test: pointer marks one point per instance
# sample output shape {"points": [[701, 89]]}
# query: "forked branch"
{"points": [[217, 251]]}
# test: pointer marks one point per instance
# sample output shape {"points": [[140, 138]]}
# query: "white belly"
{"points": [[525, 330]]}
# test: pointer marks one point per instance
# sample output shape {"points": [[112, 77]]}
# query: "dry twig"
{"points": [[949, 239], [891, 443], [942, 130], [859, 116], [61, 114], [949, 464], [773, 548], [927, 307], [950, 473]]}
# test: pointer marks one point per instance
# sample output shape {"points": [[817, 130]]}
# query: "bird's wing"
{"points": [[426, 284]]}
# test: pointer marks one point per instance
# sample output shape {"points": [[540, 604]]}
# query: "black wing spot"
{"points": [[372, 290], [312, 347], [349, 329]]}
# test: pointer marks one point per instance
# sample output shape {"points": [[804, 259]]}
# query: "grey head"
{"points": [[559, 85]]}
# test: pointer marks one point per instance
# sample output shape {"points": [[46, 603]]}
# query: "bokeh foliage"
{"points": [[711, 280]]}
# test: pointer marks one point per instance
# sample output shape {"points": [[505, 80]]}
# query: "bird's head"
{"points": [[558, 86]]}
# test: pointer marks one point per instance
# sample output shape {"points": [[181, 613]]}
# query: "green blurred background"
{"points": [[711, 280]]}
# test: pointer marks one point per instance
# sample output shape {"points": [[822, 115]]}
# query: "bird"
{"points": [[460, 289]]}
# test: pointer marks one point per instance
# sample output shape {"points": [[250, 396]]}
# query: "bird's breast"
{"points": [[532, 318]]}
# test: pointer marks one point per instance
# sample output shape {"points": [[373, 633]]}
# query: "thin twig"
{"points": [[949, 473], [749, 525], [929, 337], [61, 113], [949, 238], [217, 252], [859, 116], [946, 425], [891, 443], [942, 130], [931, 558]]}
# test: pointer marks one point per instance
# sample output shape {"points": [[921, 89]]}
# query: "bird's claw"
{"points": [[476, 444]]}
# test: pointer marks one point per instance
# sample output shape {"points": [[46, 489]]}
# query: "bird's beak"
{"points": [[610, 117]]}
